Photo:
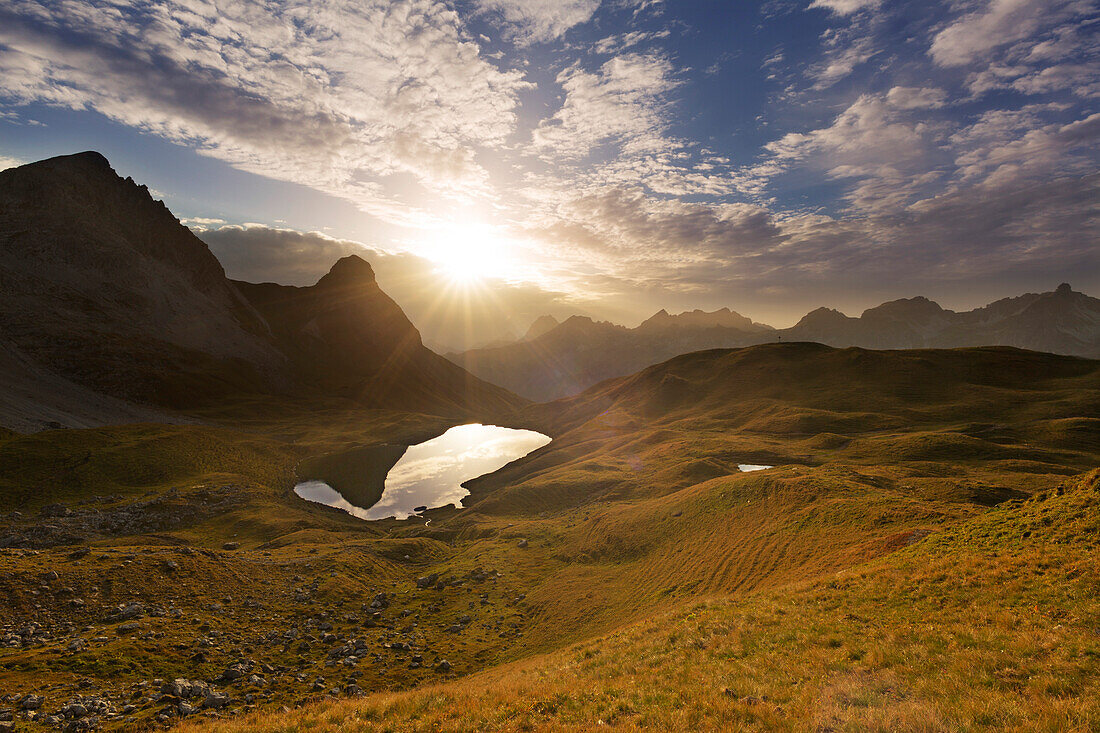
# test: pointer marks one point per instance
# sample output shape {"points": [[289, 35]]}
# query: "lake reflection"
{"points": [[431, 474]]}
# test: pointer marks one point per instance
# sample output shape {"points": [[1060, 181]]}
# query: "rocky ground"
{"points": [[84, 648]]}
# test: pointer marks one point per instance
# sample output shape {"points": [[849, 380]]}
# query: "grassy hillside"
{"points": [[618, 530], [989, 625]]}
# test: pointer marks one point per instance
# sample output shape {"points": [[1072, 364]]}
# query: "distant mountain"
{"points": [[580, 353], [1060, 322], [662, 321], [542, 324], [103, 292]]}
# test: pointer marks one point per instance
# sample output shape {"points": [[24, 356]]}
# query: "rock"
{"points": [[235, 671], [31, 702], [443, 666], [427, 581], [522, 543], [677, 513], [170, 566], [79, 553], [231, 545], [77, 644], [215, 700], [56, 510], [128, 612]]}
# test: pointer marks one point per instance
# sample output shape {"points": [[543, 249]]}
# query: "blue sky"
{"points": [[610, 157]]}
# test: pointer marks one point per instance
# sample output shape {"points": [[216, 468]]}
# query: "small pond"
{"points": [[431, 474]]}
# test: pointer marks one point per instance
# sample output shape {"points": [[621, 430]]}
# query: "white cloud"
{"points": [[844, 7], [916, 97], [624, 102], [7, 162], [337, 97], [541, 20], [973, 36], [890, 156]]}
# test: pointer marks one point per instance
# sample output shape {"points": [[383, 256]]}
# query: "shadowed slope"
{"points": [[346, 337], [101, 284]]}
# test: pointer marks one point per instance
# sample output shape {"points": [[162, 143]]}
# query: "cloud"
{"points": [[982, 235], [975, 35], [337, 97], [8, 162], [916, 97], [623, 102], [844, 7], [535, 21], [622, 41], [892, 156]]}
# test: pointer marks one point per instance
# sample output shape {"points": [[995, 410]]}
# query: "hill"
{"points": [[636, 513], [109, 306], [989, 625], [564, 361]]}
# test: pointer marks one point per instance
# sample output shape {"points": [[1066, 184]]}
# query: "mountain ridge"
{"points": [[564, 361]]}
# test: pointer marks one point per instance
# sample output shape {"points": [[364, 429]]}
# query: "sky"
{"points": [[499, 159]]}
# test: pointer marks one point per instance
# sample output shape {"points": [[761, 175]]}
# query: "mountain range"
{"points": [[109, 301], [554, 361]]}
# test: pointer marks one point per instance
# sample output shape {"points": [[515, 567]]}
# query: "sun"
{"points": [[469, 254]]}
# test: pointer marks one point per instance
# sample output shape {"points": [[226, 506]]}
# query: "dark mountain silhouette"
{"points": [[580, 353], [103, 290], [345, 336]]}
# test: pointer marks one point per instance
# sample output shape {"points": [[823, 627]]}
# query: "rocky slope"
{"points": [[103, 286], [345, 336]]}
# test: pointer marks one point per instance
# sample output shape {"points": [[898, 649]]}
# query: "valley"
{"points": [[776, 536]]}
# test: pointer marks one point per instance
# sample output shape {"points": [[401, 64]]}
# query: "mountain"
{"points": [[107, 297], [1059, 322], [345, 336], [542, 324], [697, 319], [564, 361], [104, 287], [580, 352]]}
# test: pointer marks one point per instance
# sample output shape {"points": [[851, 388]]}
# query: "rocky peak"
{"points": [[349, 270], [822, 317], [721, 318], [906, 309], [542, 324]]}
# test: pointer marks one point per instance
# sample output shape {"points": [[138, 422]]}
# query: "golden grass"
{"points": [[979, 628]]}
